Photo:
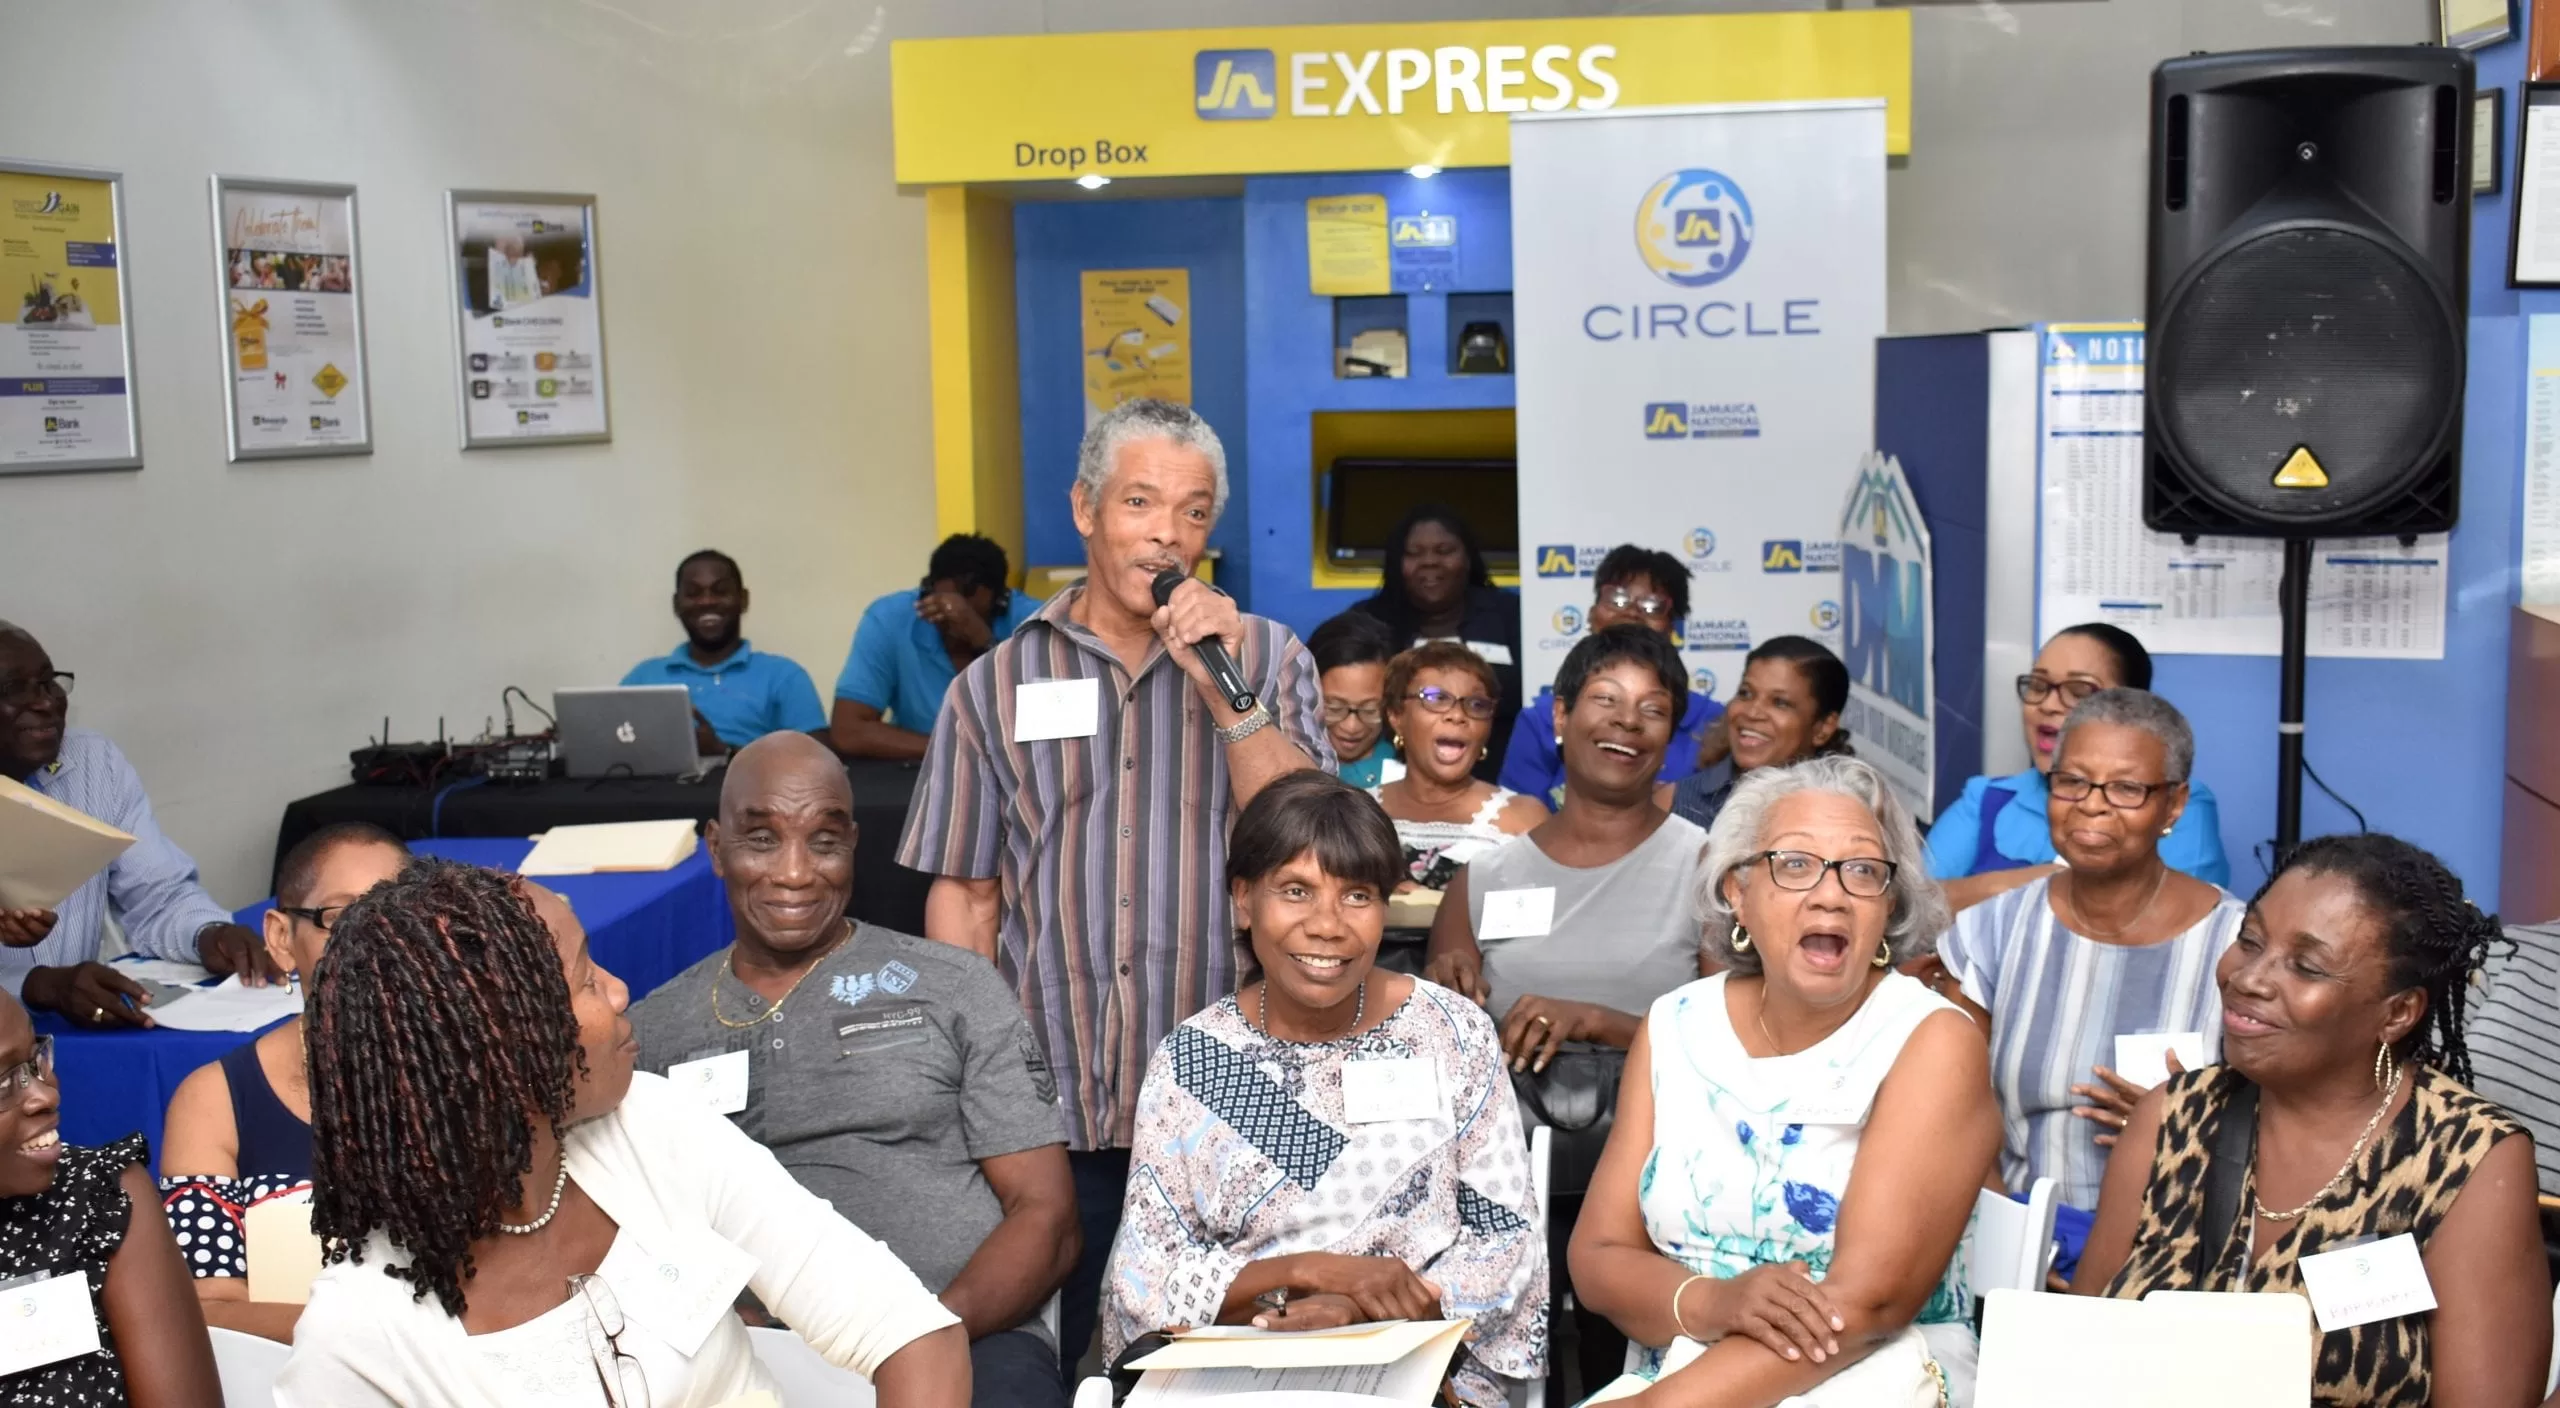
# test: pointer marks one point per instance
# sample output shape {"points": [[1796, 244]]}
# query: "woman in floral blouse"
{"points": [[1333, 1143]]}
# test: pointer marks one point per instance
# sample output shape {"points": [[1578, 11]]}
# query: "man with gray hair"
{"points": [[1074, 800]]}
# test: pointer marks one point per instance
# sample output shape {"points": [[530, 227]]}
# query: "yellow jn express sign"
{"points": [[1353, 97]]}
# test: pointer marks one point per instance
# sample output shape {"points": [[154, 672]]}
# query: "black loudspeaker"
{"points": [[2310, 236]]}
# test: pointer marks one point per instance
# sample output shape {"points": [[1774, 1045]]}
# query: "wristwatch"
{"points": [[1255, 721]]}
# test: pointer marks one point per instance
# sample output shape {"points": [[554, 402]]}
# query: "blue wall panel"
{"points": [[1054, 243], [1289, 361]]}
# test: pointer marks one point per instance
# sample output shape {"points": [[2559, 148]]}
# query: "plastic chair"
{"points": [[807, 1380], [2012, 1241], [1532, 1393], [248, 1367], [2551, 1387]]}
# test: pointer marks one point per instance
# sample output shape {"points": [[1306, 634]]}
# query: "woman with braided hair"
{"points": [[513, 1216], [2342, 1121]]}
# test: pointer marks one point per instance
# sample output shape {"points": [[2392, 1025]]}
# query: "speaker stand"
{"points": [[2293, 599]]}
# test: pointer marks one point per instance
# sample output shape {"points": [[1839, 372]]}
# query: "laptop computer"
{"points": [[632, 730]]}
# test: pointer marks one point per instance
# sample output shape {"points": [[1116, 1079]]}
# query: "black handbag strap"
{"points": [[2231, 1149]]}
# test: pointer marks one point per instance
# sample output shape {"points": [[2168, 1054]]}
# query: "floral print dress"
{"points": [[1751, 1156]]}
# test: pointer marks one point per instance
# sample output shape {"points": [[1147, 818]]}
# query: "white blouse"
{"points": [[679, 1181]]}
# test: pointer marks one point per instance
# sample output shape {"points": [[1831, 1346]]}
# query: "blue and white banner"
{"points": [[1697, 294], [1888, 600]]}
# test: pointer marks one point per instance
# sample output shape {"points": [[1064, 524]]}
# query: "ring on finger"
{"points": [[1541, 1021]]}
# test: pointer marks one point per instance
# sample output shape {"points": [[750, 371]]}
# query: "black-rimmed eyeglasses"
{"points": [[26, 689], [324, 918], [2123, 794], [1863, 877], [2032, 689]]}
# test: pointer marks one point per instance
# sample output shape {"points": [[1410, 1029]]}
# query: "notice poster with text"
{"points": [[293, 332], [1137, 337], [66, 398], [532, 319]]}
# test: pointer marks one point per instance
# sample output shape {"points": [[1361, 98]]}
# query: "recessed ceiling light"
{"points": [[1093, 180], [1423, 172]]}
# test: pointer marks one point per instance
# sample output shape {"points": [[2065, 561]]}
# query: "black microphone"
{"points": [[1212, 652]]}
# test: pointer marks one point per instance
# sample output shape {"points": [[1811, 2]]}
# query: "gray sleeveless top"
{"points": [[1624, 933]]}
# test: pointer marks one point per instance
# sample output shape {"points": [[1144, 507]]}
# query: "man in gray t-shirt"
{"points": [[894, 1076]]}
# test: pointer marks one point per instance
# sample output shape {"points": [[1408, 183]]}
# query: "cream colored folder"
{"points": [[48, 850], [284, 1256], [611, 846]]}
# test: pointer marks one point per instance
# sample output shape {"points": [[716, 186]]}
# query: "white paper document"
{"points": [[2143, 1058], [1400, 1361], [2371, 598], [230, 1007], [48, 850], [611, 846], [162, 970]]}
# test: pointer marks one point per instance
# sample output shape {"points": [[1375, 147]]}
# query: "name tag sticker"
{"points": [[717, 1081], [1493, 652], [2144, 1058], [46, 1321], [1045, 709], [1838, 1100], [2359, 1285], [679, 1288], [1518, 914], [1400, 1088]]}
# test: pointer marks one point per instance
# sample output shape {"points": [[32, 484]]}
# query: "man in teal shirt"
{"points": [[739, 693], [911, 645]]}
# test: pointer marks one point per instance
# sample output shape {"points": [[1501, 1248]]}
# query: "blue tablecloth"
{"points": [[644, 929]]}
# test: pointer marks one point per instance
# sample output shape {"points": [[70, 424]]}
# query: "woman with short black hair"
{"points": [[1333, 1143], [1786, 709], [2340, 1119], [1437, 586]]}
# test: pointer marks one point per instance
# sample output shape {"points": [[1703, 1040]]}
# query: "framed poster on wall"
{"points": [[66, 353], [294, 375], [528, 318]]}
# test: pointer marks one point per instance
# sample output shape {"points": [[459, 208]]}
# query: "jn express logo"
{"points": [[1230, 85]]}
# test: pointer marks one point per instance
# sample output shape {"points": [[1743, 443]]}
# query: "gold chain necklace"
{"points": [[2353, 1155], [775, 1011]]}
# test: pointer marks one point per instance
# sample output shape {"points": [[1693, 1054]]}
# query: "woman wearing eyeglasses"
{"points": [[2116, 944], [513, 1216], [1995, 837], [239, 1130], [1352, 651], [1438, 587], [1441, 699], [92, 1273], [1720, 1232]]}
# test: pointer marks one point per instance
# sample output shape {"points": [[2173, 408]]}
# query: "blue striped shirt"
{"points": [[152, 887], [2058, 1002]]}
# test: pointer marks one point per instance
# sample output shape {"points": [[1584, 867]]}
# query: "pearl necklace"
{"points": [[559, 1186]]}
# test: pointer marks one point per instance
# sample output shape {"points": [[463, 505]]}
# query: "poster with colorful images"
{"points": [[66, 395], [1137, 337], [292, 319], [528, 299]]}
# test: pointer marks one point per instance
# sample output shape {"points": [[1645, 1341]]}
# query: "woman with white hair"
{"points": [[2116, 943], [1792, 1221]]}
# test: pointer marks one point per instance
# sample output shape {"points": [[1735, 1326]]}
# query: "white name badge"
{"points": [[1838, 1100], [1045, 709], [717, 1081], [2359, 1285], [679, 1288], [45, 1321], [2144, 1058], [1492, 652], [1397, 1088], [1518, 914]]}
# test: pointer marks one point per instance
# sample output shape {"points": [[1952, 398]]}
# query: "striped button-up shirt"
{"points": [[1113, 924], [152, 887]]}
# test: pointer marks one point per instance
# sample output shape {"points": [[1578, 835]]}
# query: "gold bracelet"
{"points": [[1676, 1322]]}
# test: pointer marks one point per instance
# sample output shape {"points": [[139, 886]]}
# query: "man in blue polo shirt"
{"points": [[911, 645], [739, 693]]}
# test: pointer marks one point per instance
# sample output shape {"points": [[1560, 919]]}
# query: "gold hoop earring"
{"points": [[2386, 1068], [1399, 741], [1741, 939], [1884, 954]]}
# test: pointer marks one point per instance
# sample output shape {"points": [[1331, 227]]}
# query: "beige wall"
{"points": [[238, 628]]}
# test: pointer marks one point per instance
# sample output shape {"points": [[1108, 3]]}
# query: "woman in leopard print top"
{"points": [[2342, 1028]]}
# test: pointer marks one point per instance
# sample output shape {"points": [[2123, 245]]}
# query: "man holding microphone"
{"points": [[1074, 802]]}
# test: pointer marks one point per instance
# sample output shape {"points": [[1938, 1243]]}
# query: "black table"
{"points": [[884, 892]]}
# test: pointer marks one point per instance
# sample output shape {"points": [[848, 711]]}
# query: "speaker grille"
{"points": [[2312, 337]]}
